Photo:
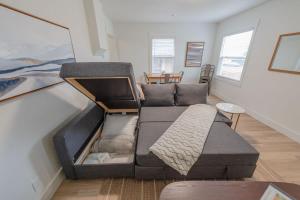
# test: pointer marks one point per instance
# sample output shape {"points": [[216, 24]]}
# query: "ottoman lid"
{"points": [[111, 85]]}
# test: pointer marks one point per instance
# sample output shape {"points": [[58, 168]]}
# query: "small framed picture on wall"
{"points": [[194, 54]]}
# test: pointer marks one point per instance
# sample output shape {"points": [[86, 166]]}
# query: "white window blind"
{"points": [[233, 55], [163, 53]]}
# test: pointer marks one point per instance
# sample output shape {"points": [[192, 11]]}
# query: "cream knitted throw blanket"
{"points": [[182, 143]]}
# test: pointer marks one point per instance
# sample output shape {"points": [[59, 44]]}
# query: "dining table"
{"points": [[156, 77]]}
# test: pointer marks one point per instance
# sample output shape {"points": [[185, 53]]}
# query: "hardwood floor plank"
{"points": [[104, 189], [132, 190], [148, 190], [116, 189], [159, 185]]}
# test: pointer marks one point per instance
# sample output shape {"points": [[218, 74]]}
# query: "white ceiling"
{"points": [[175, 10]]}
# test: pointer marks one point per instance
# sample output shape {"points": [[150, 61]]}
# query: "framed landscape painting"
{"points": [[32, 51], [194, 54]]}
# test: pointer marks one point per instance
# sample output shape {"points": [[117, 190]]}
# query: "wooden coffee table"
{"points": [[223, 190]]}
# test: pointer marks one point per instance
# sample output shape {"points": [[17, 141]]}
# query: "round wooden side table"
{"points": [[231, 109]]}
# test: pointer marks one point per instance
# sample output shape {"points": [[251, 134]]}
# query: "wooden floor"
{"points": [[279, 161]]}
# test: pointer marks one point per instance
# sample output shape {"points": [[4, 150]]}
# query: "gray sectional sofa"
{"points": [[225, 155]]}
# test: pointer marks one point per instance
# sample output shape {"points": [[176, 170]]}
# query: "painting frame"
{"points": [[274, 192], [46, 21], [188, 57]]}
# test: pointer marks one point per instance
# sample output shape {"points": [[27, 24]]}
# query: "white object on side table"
{"points": [[232, 109]]}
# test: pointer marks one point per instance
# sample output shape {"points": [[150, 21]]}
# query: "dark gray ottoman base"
{"points": [[105, 171], [198, 172]]}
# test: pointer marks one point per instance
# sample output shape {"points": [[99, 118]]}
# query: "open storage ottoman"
{"points": [[111, 86]]}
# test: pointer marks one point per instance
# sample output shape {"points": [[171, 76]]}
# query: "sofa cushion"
{"points": [[158, 95], [189, 94], [161, 114]]}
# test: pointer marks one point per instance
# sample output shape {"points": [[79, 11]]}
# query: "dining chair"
{"points": [[206, 75], [147, 80], [165, 78], [173, 79], [181, 73]]}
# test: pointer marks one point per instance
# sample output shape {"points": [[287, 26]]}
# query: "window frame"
{"points": [[231, 80], [158, 36]]}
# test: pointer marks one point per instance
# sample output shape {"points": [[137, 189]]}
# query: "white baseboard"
{"points": [[266, 120], [53, 185]]}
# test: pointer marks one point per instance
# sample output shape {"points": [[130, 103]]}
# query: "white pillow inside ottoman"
{"points": [[118, 134]]}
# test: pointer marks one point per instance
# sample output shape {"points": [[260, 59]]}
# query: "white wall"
{"points": [[28, 123], [271, 97], [134, 44]]}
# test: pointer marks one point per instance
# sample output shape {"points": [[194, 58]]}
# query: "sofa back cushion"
{"points": [[189, 94], [159, 94]]}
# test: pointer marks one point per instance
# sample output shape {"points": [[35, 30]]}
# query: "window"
{"points": [[163, 53], [233, 55]]}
